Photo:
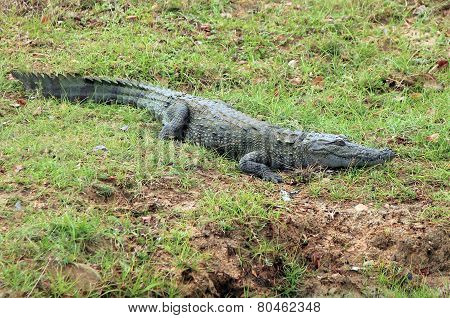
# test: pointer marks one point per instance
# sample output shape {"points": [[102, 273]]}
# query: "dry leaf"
{"points": [[400, 140], [440, 65], [109, 179], [38, 55], [433, 138], [37, 111], [296, 81], [146, 219], [131, 17], [21, 101], [318, 81], [18, 168], [44, 19], [205, 27]]}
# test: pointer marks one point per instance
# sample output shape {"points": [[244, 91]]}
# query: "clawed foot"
{"points": [[168, 133]]}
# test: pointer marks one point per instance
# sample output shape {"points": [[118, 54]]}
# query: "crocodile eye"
{"points": [[340, 142]]}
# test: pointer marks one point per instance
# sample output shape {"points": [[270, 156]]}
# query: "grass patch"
{"points": [[238, 208], [357, 68], [396, 283]]}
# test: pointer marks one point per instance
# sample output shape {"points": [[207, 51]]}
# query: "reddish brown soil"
{"points": [[338, 243], [342, 247]]}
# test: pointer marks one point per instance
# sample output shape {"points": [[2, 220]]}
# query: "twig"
{"points": [[40, 276]]}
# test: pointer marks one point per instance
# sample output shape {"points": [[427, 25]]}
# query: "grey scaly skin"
{"points": [[259, 146]]}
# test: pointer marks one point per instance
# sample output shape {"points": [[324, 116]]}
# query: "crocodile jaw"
{"points": [[335, 151]]}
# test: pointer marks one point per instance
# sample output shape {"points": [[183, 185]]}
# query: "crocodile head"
{"points": [[336, 151]]}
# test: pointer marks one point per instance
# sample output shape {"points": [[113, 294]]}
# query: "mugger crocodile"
{"points": [[259, 147]]}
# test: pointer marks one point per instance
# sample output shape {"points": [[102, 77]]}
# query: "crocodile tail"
{"points": [[78, 88]]}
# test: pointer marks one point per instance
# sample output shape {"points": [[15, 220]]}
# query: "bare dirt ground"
{"points": [[344, 245]]}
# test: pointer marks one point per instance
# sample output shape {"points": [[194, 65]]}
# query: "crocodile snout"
{"points": [[388, 154]]}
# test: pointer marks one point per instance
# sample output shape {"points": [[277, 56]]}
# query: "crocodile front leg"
{"points": [[255, 163], [174, 121]]}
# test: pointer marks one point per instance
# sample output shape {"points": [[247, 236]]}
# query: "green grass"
{"points": [[395, 282], [239, 208], [352, 59]]}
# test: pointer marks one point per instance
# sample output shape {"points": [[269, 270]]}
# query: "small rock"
{"points": [[355, 269], [368, 264], [285, 196], [86, 278], [326, 180], [361, 208], [100, 148], [18, 206], [124, 128], [420, 10], [292, 63]]}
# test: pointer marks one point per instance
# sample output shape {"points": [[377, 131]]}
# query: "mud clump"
{"points": [[225, 285], [382, 241], [202, 283], [426, 254]]}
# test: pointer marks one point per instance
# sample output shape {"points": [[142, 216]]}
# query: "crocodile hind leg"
{"points": [[255, 163], [174, 121]]}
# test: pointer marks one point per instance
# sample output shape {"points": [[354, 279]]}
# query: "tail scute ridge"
{"points": [[77, 88]]}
